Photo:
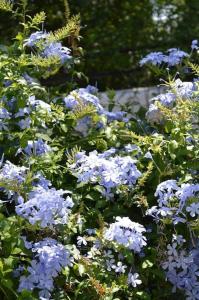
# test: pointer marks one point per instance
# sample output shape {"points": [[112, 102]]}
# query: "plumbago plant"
{"points": [[94, 205]]}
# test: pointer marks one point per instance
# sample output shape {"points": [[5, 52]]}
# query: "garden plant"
{"points": [[95, 204]]}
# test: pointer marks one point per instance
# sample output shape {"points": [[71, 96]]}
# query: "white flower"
{"points": [[81, 241]]}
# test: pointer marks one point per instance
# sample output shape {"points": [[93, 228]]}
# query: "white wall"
{"points": [[133, 99]]}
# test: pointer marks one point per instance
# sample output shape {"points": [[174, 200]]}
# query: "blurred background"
{"points": [[116, 34]]}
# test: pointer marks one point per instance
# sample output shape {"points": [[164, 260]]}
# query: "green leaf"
{"points": [[147, 264], [81, 269]]}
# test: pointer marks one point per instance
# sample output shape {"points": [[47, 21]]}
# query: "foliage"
{"points": [[94, 204]]}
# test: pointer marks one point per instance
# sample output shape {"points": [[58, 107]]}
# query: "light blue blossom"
{"points": [[24, 123], [173, 201], [193, 209], [56, 49], [119, 267], [110, 172], [184, 90], [133, 279], [154, 115], [131, 148], [114, 116], [12, 172], [154, 58], [4, 117], [148, 155], [91, 231], [83, 125], [35, 37], [175, 56], [41, 181], [166, 99], [37, 147], [181, 269], [126, 233], [194, 45], [82, 96], [38, 104], [49, 259], [165, 191], [22, 112], [45, 206], [4, 114]]}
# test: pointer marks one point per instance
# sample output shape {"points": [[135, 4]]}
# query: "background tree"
{"points": [[116, 34]]}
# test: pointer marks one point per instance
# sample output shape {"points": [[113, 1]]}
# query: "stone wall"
{"points": [[131, 100]]}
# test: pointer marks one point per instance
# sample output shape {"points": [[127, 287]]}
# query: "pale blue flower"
{"points": [[37, 147], [49, 259], [24, 123], [12, 172], [154, 58], [35, 37], [175, 56], [110, 172], [194, 45], [119, 267], [45, 206], [133, 279], [126, 233], [166, 99], [56, 49]]}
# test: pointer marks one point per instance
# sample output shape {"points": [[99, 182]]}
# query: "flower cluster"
{"points": [[87, 96], [11, 172], [182, 267], [4, 116], [46, 206], [175, 202], [126, 233], [106, 170], [174, 57], [50, 49], [178, 90], [49, 259], [37, 147]]}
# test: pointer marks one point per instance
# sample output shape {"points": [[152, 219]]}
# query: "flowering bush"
{"points": [[94, 205]]}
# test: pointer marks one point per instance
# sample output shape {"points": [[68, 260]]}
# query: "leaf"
{"points": [[81, 269], [147, 264], [43, 136]]}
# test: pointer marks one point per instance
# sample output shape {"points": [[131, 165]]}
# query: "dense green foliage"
{"points": [[58, 137]]}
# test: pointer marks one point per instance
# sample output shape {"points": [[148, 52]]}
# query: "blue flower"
{"points": [[154, 58], [194, 45], [184, 90], [154, 115], [81, 241], [38, 147], [110, 172], [82, 96], [4, 114], [11, 172], [175, 56], [35, 37], [56, 49], [126, 233], [166, 99], [24, 123], [45, 206], [49, 259], [133, 279]]}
